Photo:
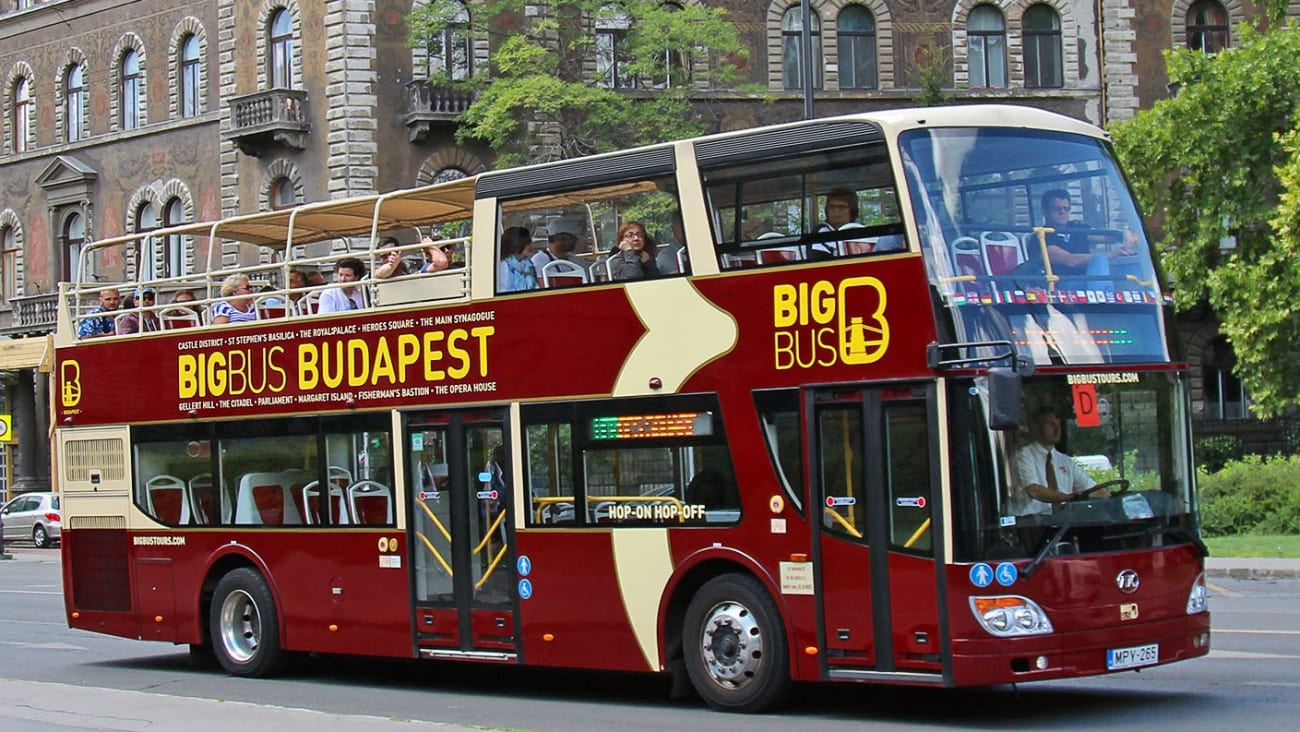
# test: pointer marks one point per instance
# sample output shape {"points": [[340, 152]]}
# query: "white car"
{"points": [[32, 516]]}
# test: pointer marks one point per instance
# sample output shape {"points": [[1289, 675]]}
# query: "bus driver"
{"points": [[1047, 476]]}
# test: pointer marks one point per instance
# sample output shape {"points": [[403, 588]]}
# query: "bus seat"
{"points": [[371, 503], [179, 317], [270, 306], [966, 256], [263, 499], [312, 504], [780, 254], [340, 477], [563, 273], [1002, 252], [167, 499], [207, 505]]}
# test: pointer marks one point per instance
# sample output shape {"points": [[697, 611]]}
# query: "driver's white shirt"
{"points": [[1031, 468]]}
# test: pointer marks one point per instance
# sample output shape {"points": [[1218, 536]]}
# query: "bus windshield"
{"points": [[1032, 237], [1117, 445]]}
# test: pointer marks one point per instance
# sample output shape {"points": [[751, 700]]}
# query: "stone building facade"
{"points": [[123, 114]]}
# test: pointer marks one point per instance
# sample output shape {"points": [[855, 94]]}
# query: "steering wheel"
{"points": [[1119, 484]]}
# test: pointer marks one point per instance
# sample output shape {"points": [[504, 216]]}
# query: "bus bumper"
{"points": [[985, 661]]}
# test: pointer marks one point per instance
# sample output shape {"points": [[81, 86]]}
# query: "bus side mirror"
{"points": [[1004, 398]]}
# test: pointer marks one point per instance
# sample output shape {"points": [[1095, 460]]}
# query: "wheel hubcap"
{"points": [[732, 645], [241, 626]]}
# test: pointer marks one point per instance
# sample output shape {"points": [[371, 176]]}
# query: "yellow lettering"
{"points": [[408, 352], [308, 366], [783, 305], [216, 373], [458, 353], [189, 383], [358, 362], [383, 365], [481, 333], [822, 303], [432, 356]]}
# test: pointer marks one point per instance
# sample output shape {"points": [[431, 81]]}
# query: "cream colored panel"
{"points": [[643, 564], [684, 331]]}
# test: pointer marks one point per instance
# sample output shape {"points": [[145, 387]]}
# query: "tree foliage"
{"points": [[1222, 159], [538, 101]]}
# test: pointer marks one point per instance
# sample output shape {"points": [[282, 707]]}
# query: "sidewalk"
{"points": [[1253, 568]]}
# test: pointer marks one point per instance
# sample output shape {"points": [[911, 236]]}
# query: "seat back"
{"points": [[780, 254], [263, 499], [598, 271], [1001, 252], [179, 317], [309, 303], [563, 273], [967, 257], [313, 510], [270, 306], [167, 498], [370, 502], [209, 505]]}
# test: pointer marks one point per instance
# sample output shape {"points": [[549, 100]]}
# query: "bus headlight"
{"points": [[1198, 598], [1006, 615]]}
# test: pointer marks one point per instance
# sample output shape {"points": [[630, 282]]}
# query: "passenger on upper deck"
{"points": [[349, 297], [516, 272], [131, 322], [633, 257], [1068, 246], [561, 240], [841, 208], [187, 296], [234, 309], [297, 281], [391, 263], [1046, 476], [94, 327], [666, 258]]}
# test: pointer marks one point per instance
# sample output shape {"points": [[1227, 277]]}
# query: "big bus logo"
{"points": [[70, 383], [821, 324]]}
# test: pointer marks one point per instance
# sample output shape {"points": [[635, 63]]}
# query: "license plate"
{"points": [[1117, 658]]}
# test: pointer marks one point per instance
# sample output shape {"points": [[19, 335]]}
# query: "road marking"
{"points": [[30, 592], [1241, 655], [1222, 631], [1222, 590], [44, 646]]}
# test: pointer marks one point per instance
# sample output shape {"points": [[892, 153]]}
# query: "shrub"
{"points": [[1253, 495], [1212, 453]]}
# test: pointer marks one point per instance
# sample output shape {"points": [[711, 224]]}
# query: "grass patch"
{"points": [[1247, 545]]}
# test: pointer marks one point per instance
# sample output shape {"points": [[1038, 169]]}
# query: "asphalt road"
{"points": [[53, 678]]}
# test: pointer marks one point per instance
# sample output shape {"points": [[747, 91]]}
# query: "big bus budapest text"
{"points": [[881, 398]]}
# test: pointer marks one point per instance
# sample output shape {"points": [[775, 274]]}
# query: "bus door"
{"points": [[872, 452], [458, 473]]}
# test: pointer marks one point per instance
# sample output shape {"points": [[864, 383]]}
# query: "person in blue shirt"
{"points": [[93, 327]]}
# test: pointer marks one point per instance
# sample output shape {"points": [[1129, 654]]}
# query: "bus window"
{"points": [[174, 482], [587, 220], [550, 474], [840, 470], [778, 211], [778, 412], [660, 485]]}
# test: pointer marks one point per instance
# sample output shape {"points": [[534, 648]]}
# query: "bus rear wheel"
{"points": [[244, 625], [734, 644]]}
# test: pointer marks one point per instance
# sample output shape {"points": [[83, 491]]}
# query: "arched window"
{"points": [[612, 24], [74, 103], [1207, 27], [450, 50], [146, 219], [283, 194], [987, 46], [857, 35], [74, 237], [1225, 397], [9, 260], [792, 49], [447, 175], [22, 114], [282, 52], [130, 90], [1042, 48], [189, 76], [173, 214]]}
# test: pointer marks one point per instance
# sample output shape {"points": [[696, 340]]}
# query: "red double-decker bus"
{"points": [[880, 398]]}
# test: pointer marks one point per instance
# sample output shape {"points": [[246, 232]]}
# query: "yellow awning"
{"points": [[25, 353]]}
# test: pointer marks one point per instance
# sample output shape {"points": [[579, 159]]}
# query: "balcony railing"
{"points": [[34, 314], [265, 118], [430, 106]]}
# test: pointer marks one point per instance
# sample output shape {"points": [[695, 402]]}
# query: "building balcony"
{"points": [[33, 314], [433, 106], [266, 118]]}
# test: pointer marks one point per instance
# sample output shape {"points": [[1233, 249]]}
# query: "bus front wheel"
{"points": [[244, 625], [734, 644]]}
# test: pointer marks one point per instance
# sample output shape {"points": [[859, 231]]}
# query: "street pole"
{"points": [[806, 42]]}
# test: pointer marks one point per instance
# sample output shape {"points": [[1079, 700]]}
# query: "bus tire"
{"points": [[734, 644], [244, 625]]}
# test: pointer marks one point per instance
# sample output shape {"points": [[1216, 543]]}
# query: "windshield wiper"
{"points": [[1032, 567], [1201, 549]]}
